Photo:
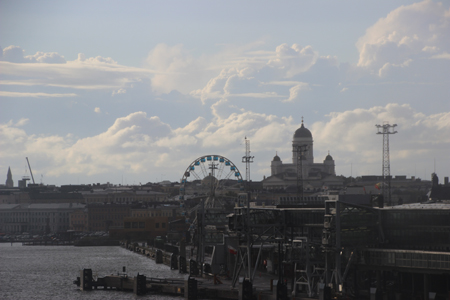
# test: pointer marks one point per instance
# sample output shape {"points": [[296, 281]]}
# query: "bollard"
{"points": [[173, 262], [281, 290], [246, 290], [182, 264], [86, 280], [190, 291], [140, 285], [193, 268], [207, 268], [159, 257], [374, 294]]}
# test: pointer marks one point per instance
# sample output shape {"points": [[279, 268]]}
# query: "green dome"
{"points": [[302, 132]]}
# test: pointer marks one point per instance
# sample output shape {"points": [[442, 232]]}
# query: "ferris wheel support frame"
{"points": [[214, 162]]}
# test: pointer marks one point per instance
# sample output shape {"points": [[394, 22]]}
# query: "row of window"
{"points": [[158, 214], [141, 225]]}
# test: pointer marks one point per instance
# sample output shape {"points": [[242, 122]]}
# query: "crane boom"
{"points": [[30, 170]]}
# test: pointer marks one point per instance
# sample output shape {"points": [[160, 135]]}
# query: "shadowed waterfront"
{"points": [[47, 272]]}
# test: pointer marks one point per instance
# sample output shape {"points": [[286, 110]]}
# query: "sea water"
{"points": [[48, 272]]}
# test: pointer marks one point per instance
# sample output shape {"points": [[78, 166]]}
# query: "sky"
{"points": [[131, 92]]}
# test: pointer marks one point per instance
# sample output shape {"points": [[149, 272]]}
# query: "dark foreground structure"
{"points": [[340, 251], [400, 252], [348, 250]]}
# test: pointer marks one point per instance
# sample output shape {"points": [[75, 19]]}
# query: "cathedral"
{"points": [[313, 176], [9, 181]]}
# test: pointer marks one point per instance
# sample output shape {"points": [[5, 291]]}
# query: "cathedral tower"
{"points": [[9, 181], [303, 136]]}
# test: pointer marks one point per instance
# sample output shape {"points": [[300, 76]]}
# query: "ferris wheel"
{"points": [[211, 172]]}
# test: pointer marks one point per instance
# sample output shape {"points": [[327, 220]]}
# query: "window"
{"points": [[141, 225], [163, 225], [157, 225]]}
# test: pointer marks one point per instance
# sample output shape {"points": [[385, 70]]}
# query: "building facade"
{"points": [[302, 171], [100, 217], [36, 218], [142, 227], [303, 158]]}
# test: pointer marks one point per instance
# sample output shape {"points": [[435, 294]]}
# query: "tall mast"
{"points": [[386, 169], [247, 159]]}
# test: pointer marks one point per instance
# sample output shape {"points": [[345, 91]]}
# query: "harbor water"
{"points": [[48, 272]]}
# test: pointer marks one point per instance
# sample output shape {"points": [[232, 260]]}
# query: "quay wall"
{"points": [[264, 287]]}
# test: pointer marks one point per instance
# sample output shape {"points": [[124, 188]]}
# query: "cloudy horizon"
{"points": [[133, 93]]}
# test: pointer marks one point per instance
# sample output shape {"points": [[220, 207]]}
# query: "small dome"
{"points": [[276, 158], [302, 132], [329, 157]]}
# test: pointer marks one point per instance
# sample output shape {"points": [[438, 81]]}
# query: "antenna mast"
{"points": [[385, 130], [247, 159]]}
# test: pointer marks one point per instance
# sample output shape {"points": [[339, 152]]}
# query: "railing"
{"points": [[406, 259], [48, 243]]}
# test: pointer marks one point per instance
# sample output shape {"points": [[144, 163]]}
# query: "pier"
{"points": [[47, 243], [194, 286], [205, 287]]}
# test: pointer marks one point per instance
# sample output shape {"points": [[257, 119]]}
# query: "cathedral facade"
{"points": [[312, 175]]}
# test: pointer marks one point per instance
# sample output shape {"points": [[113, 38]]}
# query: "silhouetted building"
{"points": [[303, 171], [9, 181]]}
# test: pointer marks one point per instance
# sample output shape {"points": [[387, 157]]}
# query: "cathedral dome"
{"points": [[302, 132], [329, 157], [276, 158]]}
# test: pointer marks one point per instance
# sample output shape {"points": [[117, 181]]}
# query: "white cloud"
{"points": [[15, 54], [420, 137], [293, 60], [294, 92], [142, 145], [408, 32], [50, 70], [22, 122], [137, 143], [251, 90], [388, 68], [34, 95], [94, 60], [48, 58], [119, 91], [178, 69], [444, 55]]}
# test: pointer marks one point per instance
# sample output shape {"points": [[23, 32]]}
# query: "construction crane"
{"points": [[30, 170]]}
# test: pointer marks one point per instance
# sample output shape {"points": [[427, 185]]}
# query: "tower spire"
{"points": [[9, 181]]}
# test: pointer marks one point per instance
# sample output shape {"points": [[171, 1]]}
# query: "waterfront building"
{"points": [[79, 220], [170, 211], [14, 197], [55, 197], [122, 195], [102, 216], [36, 218], [146, 228]]}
